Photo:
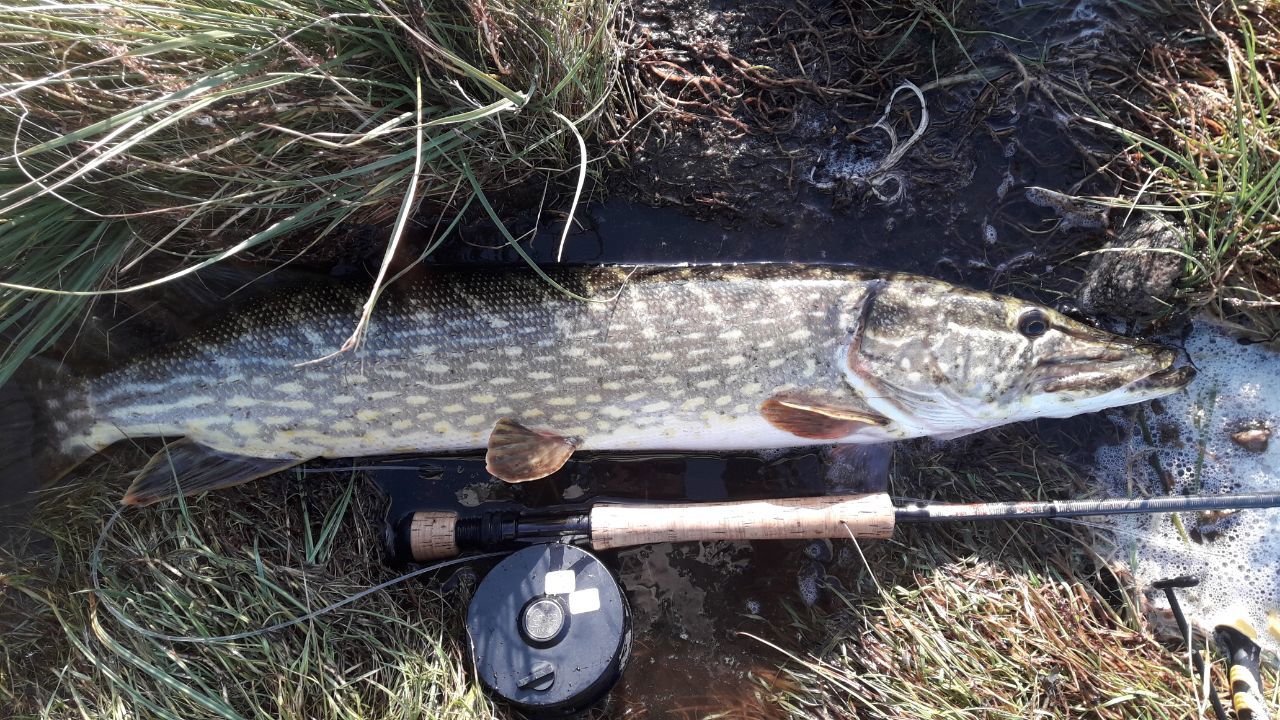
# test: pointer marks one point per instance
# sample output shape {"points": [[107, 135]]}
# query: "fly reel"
{"points": [[550, 630]]}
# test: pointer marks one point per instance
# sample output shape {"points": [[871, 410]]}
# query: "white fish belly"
{"points": [[739, 433]]}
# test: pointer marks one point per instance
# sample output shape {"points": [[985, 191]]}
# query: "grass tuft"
{"points": [[1208, 149], [224, 565], [143, 140]]}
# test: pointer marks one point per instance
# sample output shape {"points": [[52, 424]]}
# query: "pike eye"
{"points": [[1033, 323]]}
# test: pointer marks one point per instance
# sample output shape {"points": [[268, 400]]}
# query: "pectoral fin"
{"points": [[817, 418], [519, 454], [186, 467]]}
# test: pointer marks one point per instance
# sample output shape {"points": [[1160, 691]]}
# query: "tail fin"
{"points": [[45, 422]]}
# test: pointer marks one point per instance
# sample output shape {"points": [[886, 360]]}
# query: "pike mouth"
{"points": [[1169, 379], [1068, 374]]}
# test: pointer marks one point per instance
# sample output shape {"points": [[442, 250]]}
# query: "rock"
{"points": [[1136, 276], [1253, 439]]}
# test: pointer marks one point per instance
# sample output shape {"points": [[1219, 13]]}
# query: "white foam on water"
{"points": [[1237, 559]]}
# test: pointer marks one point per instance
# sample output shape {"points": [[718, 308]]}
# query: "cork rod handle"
{"points": [[432, 535], [616, 525]]}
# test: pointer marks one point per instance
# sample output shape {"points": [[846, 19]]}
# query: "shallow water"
{"points": [[1187, 447]]}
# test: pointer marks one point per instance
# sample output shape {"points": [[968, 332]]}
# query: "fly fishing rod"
{"points": [[549, 626], [432, 535]]}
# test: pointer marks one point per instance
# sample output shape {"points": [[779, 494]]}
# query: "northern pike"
{"points": [[710, 357]]}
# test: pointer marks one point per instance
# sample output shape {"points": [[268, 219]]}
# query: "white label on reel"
{"points": [[584, 601], [558, 582]]}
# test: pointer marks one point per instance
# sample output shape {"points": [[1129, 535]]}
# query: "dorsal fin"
{"points": [[519, 454]]}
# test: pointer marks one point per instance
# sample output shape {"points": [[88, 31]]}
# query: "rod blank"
{"points": [[946, 512]]}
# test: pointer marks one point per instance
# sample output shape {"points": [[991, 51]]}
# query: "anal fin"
{"points": [[186, 467], [519, 454]]}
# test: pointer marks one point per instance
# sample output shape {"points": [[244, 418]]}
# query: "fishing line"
{"points": [[118, 614], [858, 546]]}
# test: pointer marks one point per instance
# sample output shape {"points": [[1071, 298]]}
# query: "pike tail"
{"points": [[45, 429]]}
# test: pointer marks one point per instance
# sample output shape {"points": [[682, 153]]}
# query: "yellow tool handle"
{"points": [[1244, 655], [615, 525], [1246, 693]]}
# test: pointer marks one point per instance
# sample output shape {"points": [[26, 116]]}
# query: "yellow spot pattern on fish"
{"points": [[295, 404]]}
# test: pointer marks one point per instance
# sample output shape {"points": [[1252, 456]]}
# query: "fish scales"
{"points": [[436, 372], [713, 357]]}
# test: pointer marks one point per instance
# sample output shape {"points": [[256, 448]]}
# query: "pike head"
{"points": [[943, 361]]}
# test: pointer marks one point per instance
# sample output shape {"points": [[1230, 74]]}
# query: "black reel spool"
{"points": [[550, 629]]}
